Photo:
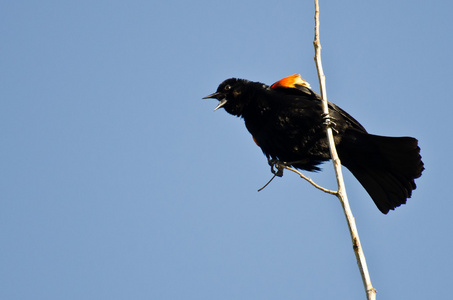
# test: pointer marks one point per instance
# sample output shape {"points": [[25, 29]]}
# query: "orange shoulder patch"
{"points": [[290, 82]]}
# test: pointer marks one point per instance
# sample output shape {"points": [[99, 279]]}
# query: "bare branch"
{"points": [[341, 194], [281, 165], [310, 180]]}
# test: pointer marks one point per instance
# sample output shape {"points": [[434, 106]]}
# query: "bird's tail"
{"points": [[385, 166]]}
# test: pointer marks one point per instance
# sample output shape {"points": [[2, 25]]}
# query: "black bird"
{"points": [[286, 120]]}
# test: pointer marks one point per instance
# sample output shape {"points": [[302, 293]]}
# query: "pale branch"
{"points": [[309, 180], [341, 194], [280, 166]]}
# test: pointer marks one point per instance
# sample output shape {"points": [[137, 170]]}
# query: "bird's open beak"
{"points": [[218, 96]]}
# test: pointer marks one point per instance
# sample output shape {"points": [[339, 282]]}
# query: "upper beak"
{"points": [[213, 95], [219, 96]]}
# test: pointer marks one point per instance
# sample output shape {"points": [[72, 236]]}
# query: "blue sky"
{"points": [[119, 182]]}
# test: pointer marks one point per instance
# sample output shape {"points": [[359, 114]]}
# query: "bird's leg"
{"points": [[277, 164]]}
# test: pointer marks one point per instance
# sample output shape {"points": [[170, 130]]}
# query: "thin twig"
{"points": [[360, 256], [267, 183]]}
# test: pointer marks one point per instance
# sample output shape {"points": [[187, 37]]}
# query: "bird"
{"points": [[287, 122]]}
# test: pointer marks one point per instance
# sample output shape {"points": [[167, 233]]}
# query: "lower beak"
{"points": [[218, 96], [221, 103]]}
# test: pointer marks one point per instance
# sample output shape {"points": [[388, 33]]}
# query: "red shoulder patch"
{"points": [[290, 82], [255, 141]]}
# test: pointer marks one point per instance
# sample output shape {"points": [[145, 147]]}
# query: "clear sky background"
{"points": [[119, 182]]}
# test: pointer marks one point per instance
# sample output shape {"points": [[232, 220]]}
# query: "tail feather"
{"points": [[385, 166]]}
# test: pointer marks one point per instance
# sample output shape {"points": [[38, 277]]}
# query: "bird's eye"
{"points": [[227, 87]]}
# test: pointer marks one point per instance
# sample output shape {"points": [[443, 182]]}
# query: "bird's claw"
{"points": [[329, 121], [278, 165]]}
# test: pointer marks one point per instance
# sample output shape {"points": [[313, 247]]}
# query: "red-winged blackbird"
{"points": [[286, 120]]}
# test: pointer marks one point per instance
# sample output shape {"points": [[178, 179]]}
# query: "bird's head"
{"points": [[231, 95]]}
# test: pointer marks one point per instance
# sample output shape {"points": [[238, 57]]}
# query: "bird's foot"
{"points": [[329, 121], [278, 165]]}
